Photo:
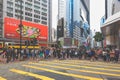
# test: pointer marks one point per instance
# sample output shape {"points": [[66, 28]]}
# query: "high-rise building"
{"points": [[111, 27], [61, 18], [61, 9], [53, 17], [50, 21], [34, 18], [77, 16]]}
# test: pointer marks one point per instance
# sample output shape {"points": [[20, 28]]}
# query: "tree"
{"points": [[98, 36]]}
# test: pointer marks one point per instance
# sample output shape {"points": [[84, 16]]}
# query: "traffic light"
{"points": [[31, 42], [60, 28], [27, 43], [35, 41], [60, 32]]}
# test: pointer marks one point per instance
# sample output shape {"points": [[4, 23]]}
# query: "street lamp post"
{"points": [[20, 27]]}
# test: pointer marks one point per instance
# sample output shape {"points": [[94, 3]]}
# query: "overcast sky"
{"points": [[97, 11]]}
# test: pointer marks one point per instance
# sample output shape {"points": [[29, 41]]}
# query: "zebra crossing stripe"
{"points": [[1, 78], [96, 65], [80, 66], [91, 64], [78, 70], [95, 62], [62, 73], [31, 74]]}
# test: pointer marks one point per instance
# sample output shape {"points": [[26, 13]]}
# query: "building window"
{"points": [[37, 2], [1, 35], [28, 4], [10, 4], [44, 5], [18, 6], [19, 2], [28, 14], [1, 6], [29, 0], [17, 16], [45, 1], [18, 11], [36, 11], [1, 24], [10, 0], [44, 14], [44, 9], [28, 19], [9, 14], [44, 18], [28, 9], [36, 20], [44, 22], [9, 9], [36, 7], [37, 16], [1, 17]]}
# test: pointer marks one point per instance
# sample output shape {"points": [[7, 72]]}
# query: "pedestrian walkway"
{"points": [[78, 69], [66, 68], [31, 74], [1, 78]]}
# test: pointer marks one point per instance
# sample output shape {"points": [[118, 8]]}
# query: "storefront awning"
{"points": [[112, 19]]}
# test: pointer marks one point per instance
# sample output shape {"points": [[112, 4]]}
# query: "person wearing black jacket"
{"points": [[8, 55], [13, 55], [59, 53]]}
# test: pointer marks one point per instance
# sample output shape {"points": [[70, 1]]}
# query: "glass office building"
{"points": [[77, 16]]}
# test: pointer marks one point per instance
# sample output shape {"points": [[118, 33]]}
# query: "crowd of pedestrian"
{"points": [[94, 54]]}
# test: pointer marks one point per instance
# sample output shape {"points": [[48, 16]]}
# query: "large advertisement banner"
{"points": [[29, 30]]}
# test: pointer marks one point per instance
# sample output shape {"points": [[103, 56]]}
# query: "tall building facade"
{"points": [[77, 16], [61, 18], [50, 21], [111, 27], [61, 9], [34, 16]]}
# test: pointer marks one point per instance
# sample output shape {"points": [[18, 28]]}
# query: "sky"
{"points": [[54, 13], [97, 11]]}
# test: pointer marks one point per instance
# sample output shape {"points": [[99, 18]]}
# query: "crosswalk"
{"points": [[78, 69], [1, 78], [31, 74]]}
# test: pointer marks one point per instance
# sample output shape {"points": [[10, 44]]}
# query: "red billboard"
{"points": [[29, 29]]}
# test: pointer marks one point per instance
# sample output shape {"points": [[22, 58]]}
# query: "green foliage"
{"points": [[59, 44], [98, 36]]}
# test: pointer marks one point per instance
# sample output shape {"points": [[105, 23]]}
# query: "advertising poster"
{"points": [[29, 29]]}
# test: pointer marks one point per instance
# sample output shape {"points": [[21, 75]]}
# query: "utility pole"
{"points": [[20, 27]]}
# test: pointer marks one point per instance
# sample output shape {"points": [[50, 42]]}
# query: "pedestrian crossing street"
{"points": [[78, 69]]}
